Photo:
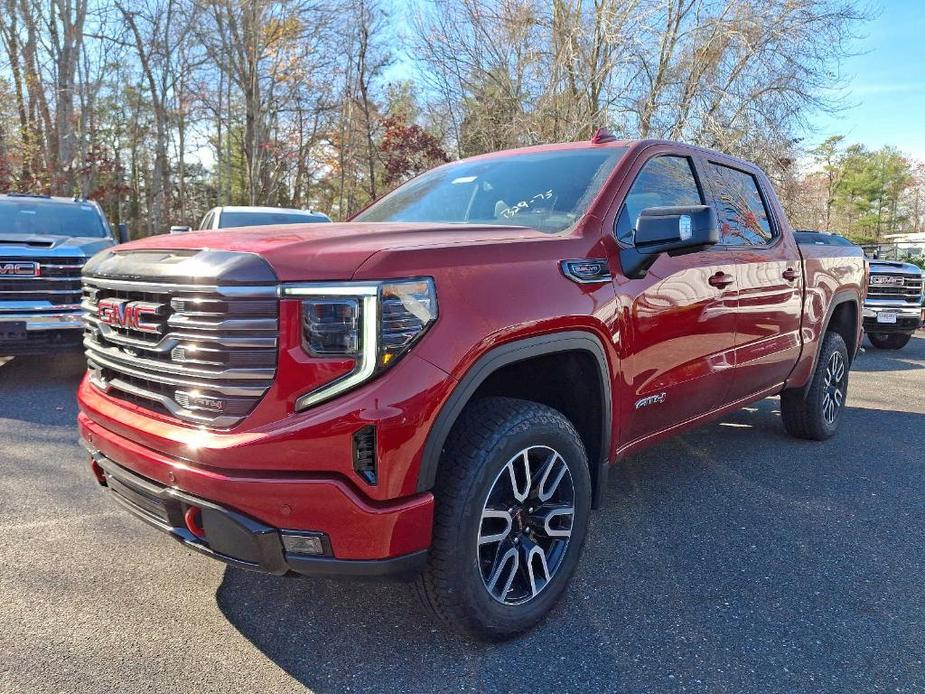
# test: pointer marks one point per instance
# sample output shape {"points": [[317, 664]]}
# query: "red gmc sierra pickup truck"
{"points": [[438, 387]]}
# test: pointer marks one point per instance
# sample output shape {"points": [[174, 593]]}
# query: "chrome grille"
{"points": [[905, 288], [209, 359], [58, 281]]}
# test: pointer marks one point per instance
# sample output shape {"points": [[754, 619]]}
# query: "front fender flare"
{"points": [[504, 355]]}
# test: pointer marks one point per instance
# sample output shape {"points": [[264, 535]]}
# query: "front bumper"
{"points": [[360, 532], [229, 536], [908, 319], [24, 331]]}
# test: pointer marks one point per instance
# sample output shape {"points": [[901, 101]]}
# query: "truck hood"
{"points": [[39, 245], [892, 267], [315, 252]]}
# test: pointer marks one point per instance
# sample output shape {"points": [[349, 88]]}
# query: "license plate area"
{"points": [[886, 317], [13, 331]]}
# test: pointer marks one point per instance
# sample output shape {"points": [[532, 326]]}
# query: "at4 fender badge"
{"points": [[657, 399]]}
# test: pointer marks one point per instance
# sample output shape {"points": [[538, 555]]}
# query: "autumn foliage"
{"points": [[407, 150]]}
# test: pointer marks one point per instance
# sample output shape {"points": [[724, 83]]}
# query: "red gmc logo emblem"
{"points": [[133, 315], [17, 269]]}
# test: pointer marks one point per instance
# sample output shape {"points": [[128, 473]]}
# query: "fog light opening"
{"points": [[193, 520], [306, 543]]}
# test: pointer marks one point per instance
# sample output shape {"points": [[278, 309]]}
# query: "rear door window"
{"points": [[664, 181], [744, 218]]}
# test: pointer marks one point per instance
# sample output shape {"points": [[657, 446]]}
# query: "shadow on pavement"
{"points": [[909, 358], [42, 389], [729, 559]]}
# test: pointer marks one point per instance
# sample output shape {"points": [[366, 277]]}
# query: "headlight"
{"points": [[331, 327], [372, 323], [406, 311]]}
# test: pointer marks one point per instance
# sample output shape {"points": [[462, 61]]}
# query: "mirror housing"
{"points": [[676, 230], [179, 229], [671, 230], [122, 231]]}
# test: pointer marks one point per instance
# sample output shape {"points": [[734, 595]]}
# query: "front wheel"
{"points": [[889, 340], [815, 415], [513, 496]]}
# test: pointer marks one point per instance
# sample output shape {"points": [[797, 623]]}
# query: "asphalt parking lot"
{"points": [[732, 559]]}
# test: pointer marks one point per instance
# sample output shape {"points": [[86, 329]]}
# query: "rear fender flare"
{"points": [[842, 297]]}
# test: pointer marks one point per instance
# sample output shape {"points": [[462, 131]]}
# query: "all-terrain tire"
{"points": [[811, 415], [490, 435]]}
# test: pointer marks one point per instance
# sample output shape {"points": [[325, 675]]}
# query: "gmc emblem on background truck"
{"points": [[17, 269], [131, 315]]}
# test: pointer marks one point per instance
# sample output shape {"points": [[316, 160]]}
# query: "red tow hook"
{"points": [[193, 520]]}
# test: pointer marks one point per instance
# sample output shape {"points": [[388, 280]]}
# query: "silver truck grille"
{"points": [[57, 280], [204, 355], [899, 288]]}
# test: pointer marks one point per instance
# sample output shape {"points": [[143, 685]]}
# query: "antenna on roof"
{"points": [[602, 135]]}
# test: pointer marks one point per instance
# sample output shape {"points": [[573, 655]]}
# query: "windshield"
{"points": [[548, 191], [230, 220], [49, 217]]}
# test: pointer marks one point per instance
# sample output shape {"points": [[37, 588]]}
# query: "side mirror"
{"points": [[676, 230], [123, 232], [671, 230], [180, 229]]}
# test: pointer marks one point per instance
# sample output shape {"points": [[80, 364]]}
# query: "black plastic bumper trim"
{"points": [[404, 566], [236, 534], [261, 543], [902, 325]]}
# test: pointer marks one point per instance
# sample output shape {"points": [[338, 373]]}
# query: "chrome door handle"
{"points": [[721, 280]]}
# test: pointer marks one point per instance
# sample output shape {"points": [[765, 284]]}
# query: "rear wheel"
{"points": [[513, 496], [815, 415], [889, 340]]}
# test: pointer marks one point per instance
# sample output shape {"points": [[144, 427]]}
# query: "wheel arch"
{"points": [[845, 299], [488, 372], [844, 317]]}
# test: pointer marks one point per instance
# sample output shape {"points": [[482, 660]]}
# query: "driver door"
{"points": [[681, 318]]}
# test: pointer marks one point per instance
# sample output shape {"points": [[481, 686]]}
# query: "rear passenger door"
{"points": [[767, 273]]}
